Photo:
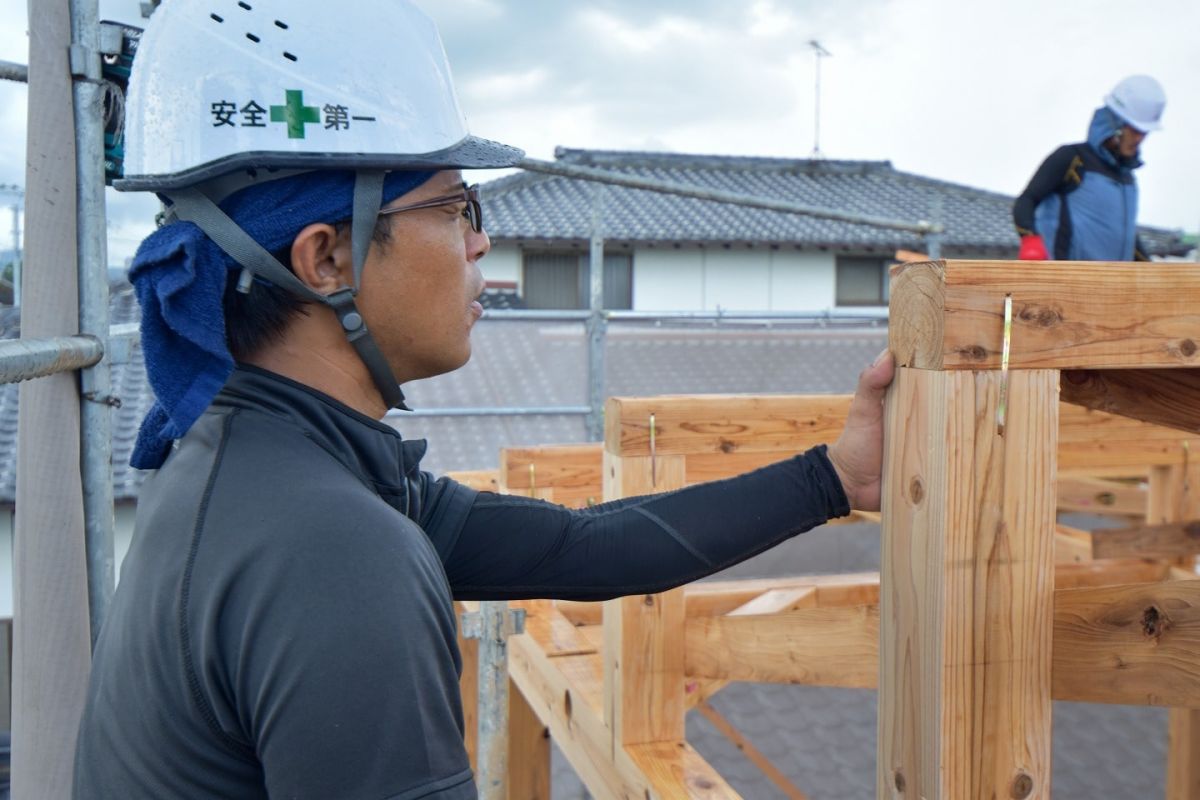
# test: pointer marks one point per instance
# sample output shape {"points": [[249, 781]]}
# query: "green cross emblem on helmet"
{"points": [[295, 113]]}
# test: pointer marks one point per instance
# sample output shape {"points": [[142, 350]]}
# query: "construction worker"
{"points": [[283, 625], [1081, 204]]}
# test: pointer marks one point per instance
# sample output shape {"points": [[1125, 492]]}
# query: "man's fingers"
{"points": [[877, 377]]}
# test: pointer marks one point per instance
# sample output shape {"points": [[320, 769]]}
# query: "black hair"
{"points": [[261, 316]]}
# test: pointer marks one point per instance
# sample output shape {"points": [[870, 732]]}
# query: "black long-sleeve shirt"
{"points": [[284, 626]]}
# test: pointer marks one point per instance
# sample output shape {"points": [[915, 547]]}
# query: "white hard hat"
{"points": [[1139, 100], [220, 85]]}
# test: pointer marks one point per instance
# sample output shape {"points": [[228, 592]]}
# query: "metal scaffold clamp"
{"points": [[486, 622]]}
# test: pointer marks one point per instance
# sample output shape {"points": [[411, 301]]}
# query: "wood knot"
{"points": [[916, 491], [1022, 786], [1041, 316], [1187, 347], [567, 705], [1106, 498], [727, 446], [898, 779], [1154, 622], [973, 352], [648, 600], [703, 783]]}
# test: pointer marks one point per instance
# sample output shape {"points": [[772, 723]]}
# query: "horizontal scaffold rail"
{"points": [[24, 359]]}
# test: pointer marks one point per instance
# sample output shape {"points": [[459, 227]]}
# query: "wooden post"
{"points": [[967, 579], [468, 684], [643, 634], [1174, 496], [528, 750]]}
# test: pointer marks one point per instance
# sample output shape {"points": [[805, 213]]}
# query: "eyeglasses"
{"points": [[470, 195]]}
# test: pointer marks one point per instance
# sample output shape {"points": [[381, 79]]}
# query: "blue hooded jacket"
{"points": [[1085, 198]]}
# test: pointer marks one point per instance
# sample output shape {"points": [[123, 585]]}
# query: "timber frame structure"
{"points": [[984, 609]]}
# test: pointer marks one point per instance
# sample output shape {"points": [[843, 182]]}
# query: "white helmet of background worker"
{"points": [[1139, 100], [225, 94]]}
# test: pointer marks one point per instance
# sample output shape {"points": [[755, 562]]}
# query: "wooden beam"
{"points": [[1071, 545], [712, 598], [967, 585], [570, 472], [813, 646], [1108, 646], [1129, 644], [1094, 441], [772, 601], [1170, 540], [553, 632], [567, 695], [1101, 496], [722, 423], [1066, 315], [1166, 397]]}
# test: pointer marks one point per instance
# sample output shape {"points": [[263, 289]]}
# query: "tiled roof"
{"points": [[530, 206], [129, 386]]}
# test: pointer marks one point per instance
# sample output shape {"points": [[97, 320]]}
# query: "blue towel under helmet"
{"points": [[179, 275]]}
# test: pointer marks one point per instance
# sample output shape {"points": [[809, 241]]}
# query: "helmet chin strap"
{"points": [[195, 206], [368, 196]]}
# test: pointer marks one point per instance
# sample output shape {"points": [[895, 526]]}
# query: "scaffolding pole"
{"points": [[96, 394], [596, 322], [922, 227]]}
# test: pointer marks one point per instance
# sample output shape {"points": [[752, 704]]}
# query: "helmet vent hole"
{"points": [[217, 18], [282, 25], [253, 38], [289, 56], [244, 5]]}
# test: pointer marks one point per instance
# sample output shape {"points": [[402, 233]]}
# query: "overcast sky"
{"points": [[967, 92]]}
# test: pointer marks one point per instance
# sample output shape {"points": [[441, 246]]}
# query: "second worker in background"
{"points": [[1081, 204]]}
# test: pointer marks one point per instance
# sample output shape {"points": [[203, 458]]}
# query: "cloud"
{"points": [[976, 94]]}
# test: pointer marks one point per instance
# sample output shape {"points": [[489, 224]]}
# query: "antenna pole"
{"points": [[819, 52]]}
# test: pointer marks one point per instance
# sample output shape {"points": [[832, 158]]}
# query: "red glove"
{"points": [[1033, 249]]}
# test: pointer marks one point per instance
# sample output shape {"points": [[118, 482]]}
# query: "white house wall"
{"points": [[503, 263], [756, 279], [667, 280]]}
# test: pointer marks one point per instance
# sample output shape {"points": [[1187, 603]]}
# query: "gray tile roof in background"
{"points": [[824, 739], [528, 207]]}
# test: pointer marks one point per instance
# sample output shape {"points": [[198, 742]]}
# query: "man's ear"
{"points": [[321, 258]]}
